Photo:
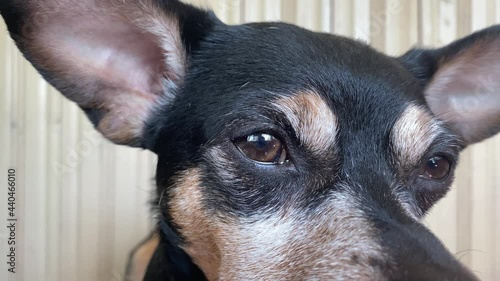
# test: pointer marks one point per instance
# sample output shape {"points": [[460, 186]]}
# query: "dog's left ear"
{"points": [[462, 83]]}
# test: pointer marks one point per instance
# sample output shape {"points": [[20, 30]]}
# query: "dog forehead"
{"points": [[237, 62], [280, 55]]}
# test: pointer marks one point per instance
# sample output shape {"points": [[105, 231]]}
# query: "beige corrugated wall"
{"points": [[82, 202]]}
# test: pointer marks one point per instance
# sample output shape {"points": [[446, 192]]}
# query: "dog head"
{"points": [[282, 153]]}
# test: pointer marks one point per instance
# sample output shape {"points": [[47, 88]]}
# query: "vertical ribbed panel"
{"points": [[6, 133], [83, 202]]}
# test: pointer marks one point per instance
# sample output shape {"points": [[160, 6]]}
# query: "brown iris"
{"points": [[436, 168], [262, 147]]}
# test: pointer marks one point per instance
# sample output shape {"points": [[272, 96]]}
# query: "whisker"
{"points": [[463, 253], [161, 197]]}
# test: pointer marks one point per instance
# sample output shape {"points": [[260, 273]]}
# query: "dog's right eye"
{"points": [[263, 148]]}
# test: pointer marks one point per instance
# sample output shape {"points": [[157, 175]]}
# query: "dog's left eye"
{"points": [[437, 168], [263, 148]]}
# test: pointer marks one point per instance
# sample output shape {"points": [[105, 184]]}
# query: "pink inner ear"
{"points": [[116, 58], [466, 91], [111, 52]]}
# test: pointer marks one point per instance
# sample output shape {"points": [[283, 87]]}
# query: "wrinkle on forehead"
{"points": [[311, 118], [413, 133]]}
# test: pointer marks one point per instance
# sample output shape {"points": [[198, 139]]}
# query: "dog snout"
{"points": [[419, 255]]}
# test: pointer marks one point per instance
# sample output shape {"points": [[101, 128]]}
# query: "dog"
{"points": [[283, 154]]}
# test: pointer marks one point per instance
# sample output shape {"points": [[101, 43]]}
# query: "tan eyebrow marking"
{"points": [[413, 133], [312, 120]]}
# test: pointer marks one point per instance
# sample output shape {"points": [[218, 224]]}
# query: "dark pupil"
{"points": [[261, 141], [437, 167], [433, 163]]}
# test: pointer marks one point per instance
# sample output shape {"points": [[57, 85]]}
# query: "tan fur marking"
{"points": [[312, 119], [280, 246], [294, 246], [198, 229], [413, 133], [141, 258]]}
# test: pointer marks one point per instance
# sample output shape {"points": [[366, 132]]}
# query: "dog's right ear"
{"points": [[117, 59]]}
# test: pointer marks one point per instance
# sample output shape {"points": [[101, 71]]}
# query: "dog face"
{"points": [[282, 153]]}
